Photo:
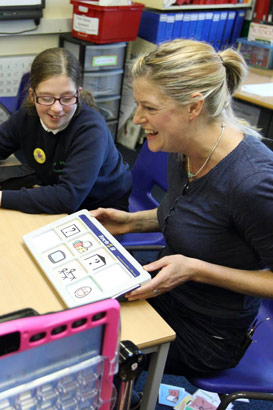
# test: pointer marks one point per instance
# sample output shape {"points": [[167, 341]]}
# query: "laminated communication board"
{"points": [[83, 261]]}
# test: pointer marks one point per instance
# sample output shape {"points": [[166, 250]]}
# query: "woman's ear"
{"points": [[79, 91], [196, 105], [31, 94]]}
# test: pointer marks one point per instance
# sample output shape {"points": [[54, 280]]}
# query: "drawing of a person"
{"points": [[82, 246]]}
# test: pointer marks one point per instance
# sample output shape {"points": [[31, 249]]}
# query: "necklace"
{"points": [[191, 174]]}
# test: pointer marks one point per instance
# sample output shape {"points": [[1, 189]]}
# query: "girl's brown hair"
{"points": [[54, 62]]}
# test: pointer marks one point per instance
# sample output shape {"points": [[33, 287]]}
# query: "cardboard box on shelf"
{"points": [[260, 32]]}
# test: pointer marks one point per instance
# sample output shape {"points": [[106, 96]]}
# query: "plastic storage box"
{"points": [[113, 126], [103, 83], [108, 106], [95, 57], [103, 24], [103, 71], [256, 53], [104, 57]]}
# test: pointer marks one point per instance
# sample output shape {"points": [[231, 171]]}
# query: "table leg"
{"points": [[154, 375]]}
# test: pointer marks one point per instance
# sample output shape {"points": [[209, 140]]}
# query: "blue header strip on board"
{"points": [[109, 245]]}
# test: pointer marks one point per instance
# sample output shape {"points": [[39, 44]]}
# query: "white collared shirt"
{"points": [[53, 131]]}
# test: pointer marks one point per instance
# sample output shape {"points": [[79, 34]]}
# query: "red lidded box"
{"points": [[105, 24]]}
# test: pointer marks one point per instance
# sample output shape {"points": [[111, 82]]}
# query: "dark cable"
{"points": [[20, 32]]}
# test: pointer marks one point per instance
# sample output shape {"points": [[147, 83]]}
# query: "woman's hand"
{"points": [[115, 221], [120, 222], [174, 270]]}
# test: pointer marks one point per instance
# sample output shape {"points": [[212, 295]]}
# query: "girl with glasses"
{"points": [[65, 141]]}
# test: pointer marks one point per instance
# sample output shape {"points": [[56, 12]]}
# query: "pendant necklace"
{"points": [[191, 174]]}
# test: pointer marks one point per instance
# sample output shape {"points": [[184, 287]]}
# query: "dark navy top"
{"points": [[78, 166], [225, 218]]}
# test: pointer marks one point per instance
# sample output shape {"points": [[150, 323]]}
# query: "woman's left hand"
{"points": [[174, 270]]}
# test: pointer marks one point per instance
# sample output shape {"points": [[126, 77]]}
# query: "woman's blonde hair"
{"points": [[181, 68]]}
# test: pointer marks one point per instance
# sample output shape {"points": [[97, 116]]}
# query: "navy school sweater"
{"points": [[78, 165]]}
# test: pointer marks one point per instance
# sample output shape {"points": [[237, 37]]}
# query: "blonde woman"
{"points": [[216, 217]]}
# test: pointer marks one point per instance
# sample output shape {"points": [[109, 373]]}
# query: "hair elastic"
{"points": [[221, 59]]}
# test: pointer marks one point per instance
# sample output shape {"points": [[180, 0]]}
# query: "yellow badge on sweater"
{"points": [[39, 155]]}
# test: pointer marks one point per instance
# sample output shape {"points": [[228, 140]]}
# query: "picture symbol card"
{"points": [[83, 261]]}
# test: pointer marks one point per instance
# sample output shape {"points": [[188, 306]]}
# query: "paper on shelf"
{"points": [[9, 3], [263, 90], [168, 3], [107, 2]]}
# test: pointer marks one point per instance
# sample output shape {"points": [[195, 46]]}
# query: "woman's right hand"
{"points": [[114, 220]]}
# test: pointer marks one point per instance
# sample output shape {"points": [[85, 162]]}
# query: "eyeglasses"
{"points": [[49, 100]]}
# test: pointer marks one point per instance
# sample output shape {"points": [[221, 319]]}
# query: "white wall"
{"points": [[57, 18]]}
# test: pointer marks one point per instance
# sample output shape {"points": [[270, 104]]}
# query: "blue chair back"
{"points": [[150, 181], [22, 90], [150, 170], [11, 104], [253, 376]]}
